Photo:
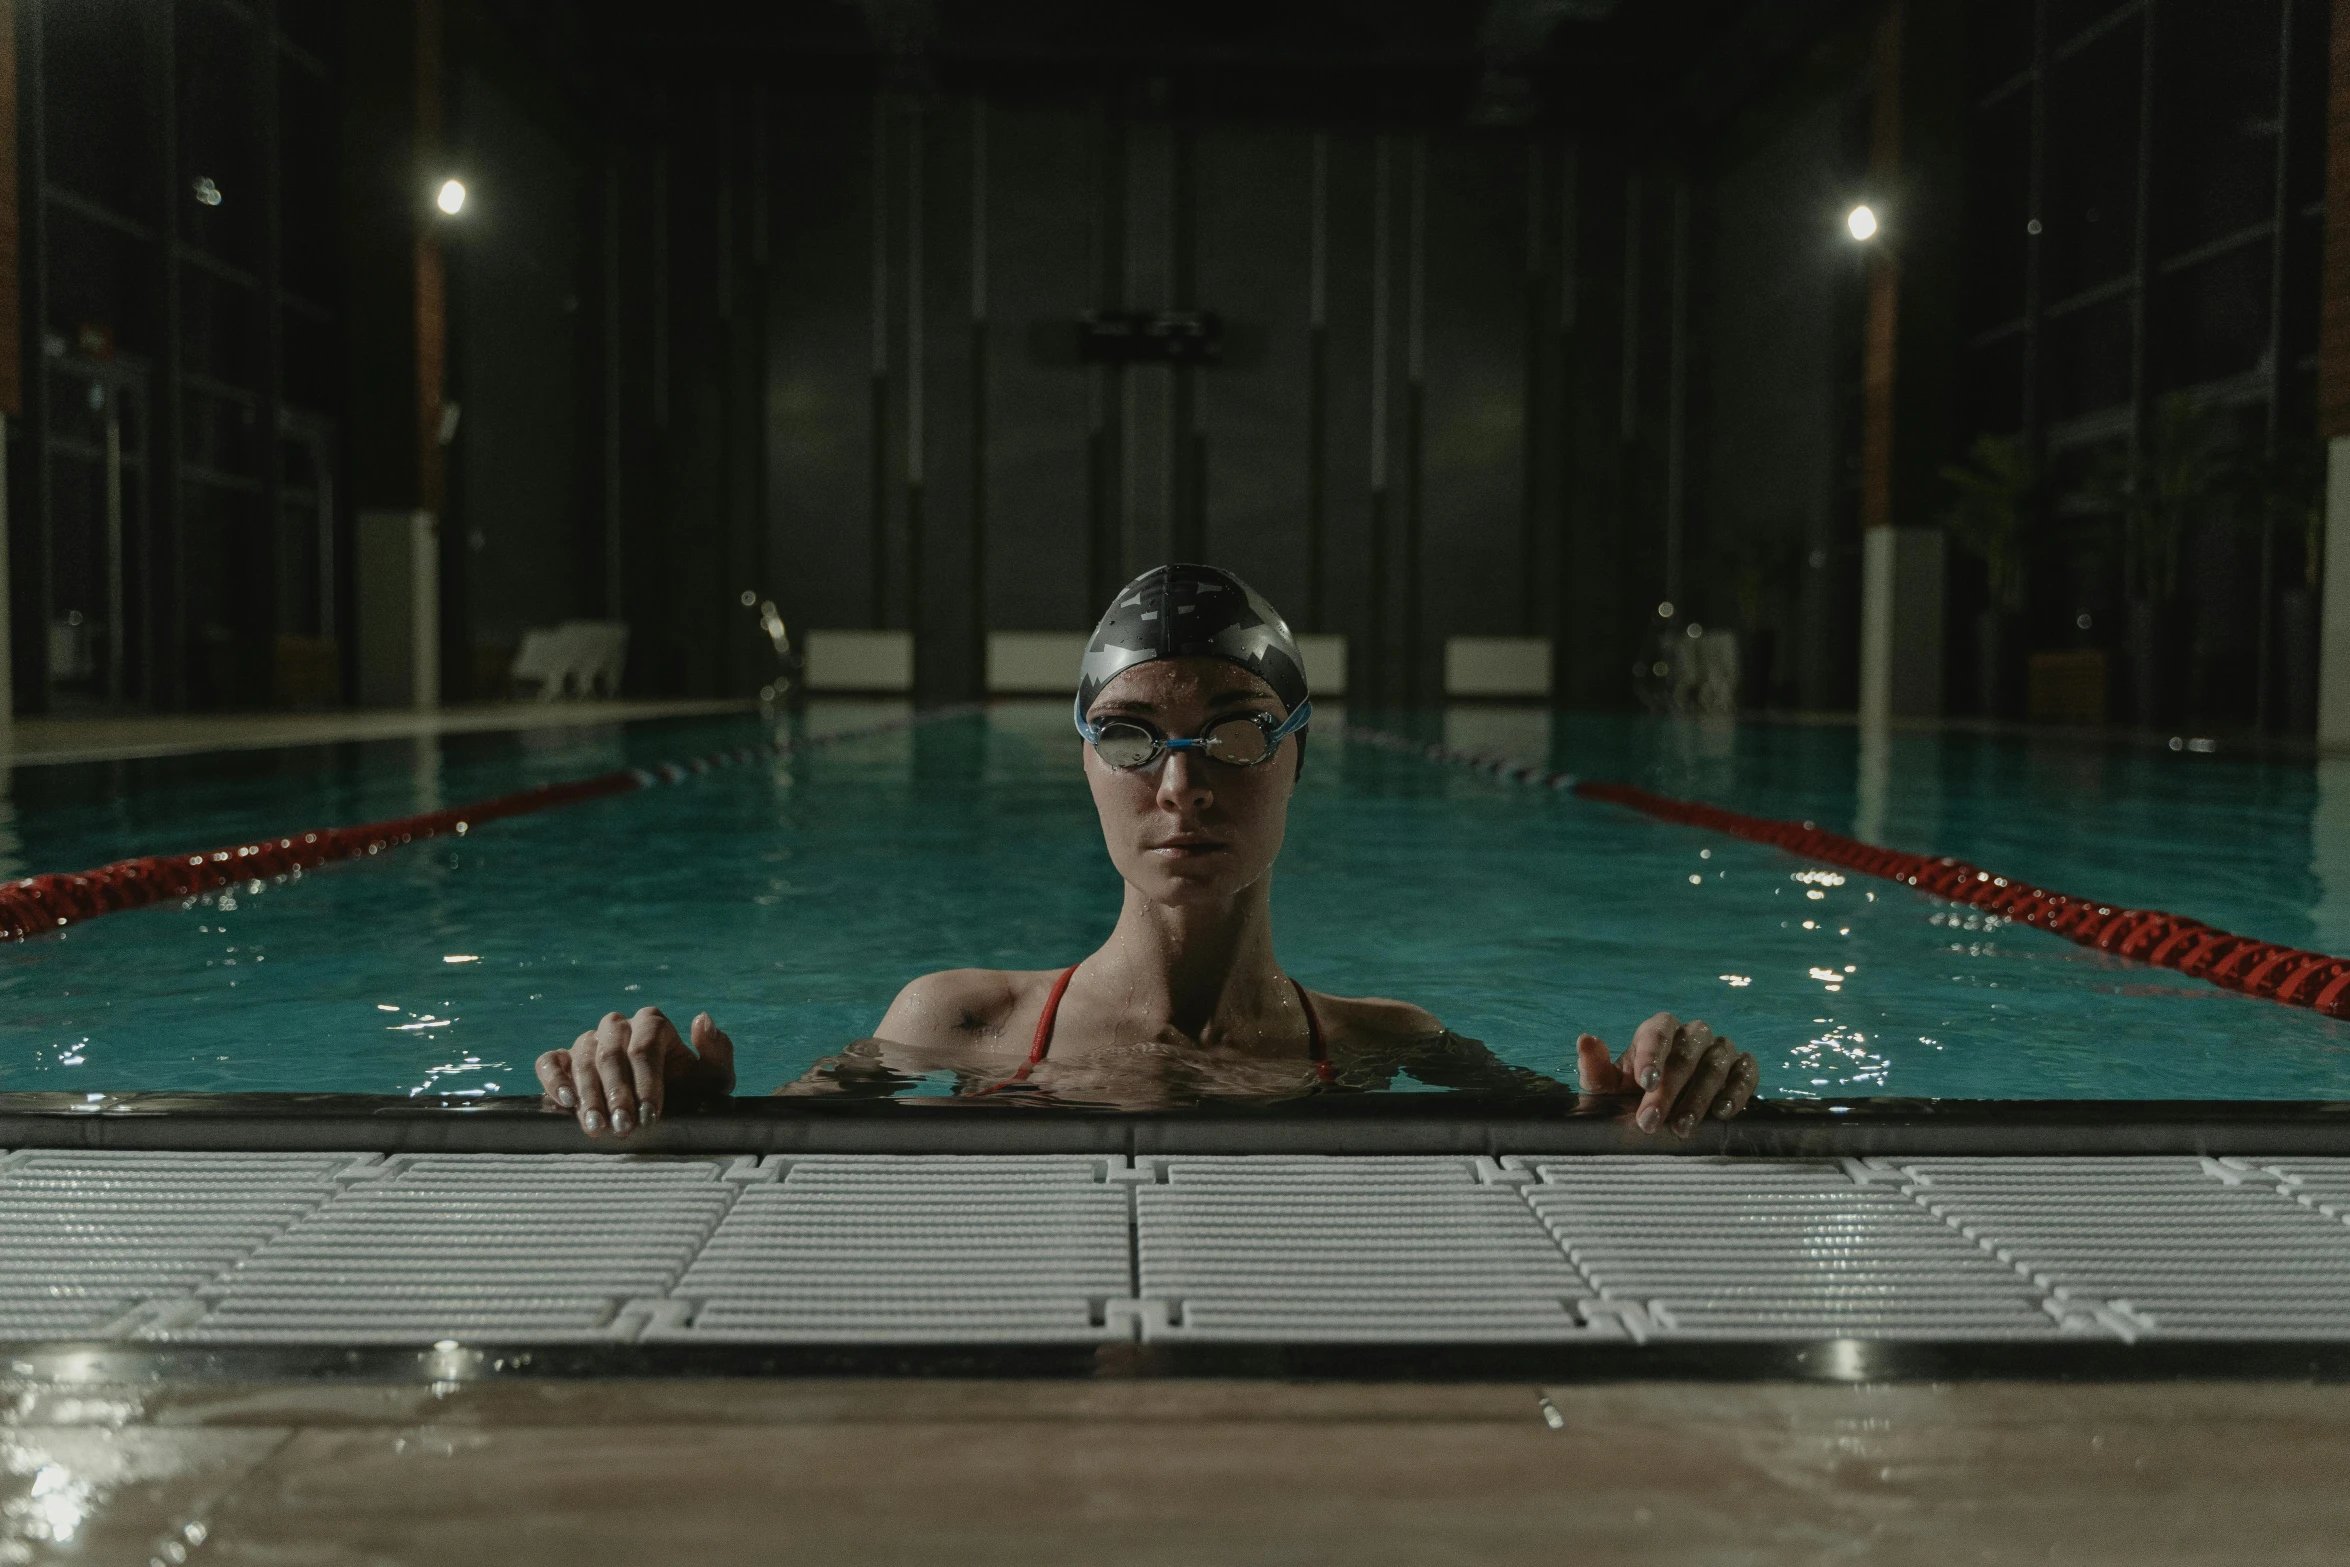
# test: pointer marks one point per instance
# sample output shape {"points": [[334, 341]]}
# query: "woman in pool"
{"points": [[1193, 705]]}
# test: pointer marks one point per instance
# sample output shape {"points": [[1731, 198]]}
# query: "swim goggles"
{"points": [[1243, 740]]}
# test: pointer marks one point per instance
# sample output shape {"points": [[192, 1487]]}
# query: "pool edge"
{"points": [[1354, 1125]]}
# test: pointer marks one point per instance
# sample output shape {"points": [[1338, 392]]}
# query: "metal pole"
{"points": [[1530, 401], [2034, 431], [31, 631], [322, 465], [877, 413], [2264, 685], [915, 433], [1382, 246], [272, 388], [7, 601], [614, 590], [2141, 240], [1570, 260], [1317, 380], [977, 585], [1415, 414], [1677, 392], [170, 660], [114, 594], [1629, 412]]}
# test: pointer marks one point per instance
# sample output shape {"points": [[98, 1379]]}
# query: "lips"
{"points": [[1187, 846]]}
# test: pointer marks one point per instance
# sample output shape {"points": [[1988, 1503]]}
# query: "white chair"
{"points": [[1705, 673], [578, 658]]}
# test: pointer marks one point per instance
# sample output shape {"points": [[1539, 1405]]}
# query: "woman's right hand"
{"points": [[623, 1073]]}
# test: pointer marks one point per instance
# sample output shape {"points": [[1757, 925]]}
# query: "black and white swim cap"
{"points": [[1192, 612]]}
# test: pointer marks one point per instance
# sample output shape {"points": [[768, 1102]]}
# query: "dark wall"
{"points": [[2177, 150], [1419, 425], [524, 521], [1773, 492]]}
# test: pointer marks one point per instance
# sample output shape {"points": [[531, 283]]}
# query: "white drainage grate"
{"points": [[940, 1249], [1715, 1248], [2321, 1184], [2168, 1247], [478, 1247], [1360, 1249], [330, 1248], [88, 1239]]}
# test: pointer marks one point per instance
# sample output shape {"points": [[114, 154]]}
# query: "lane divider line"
{"points": [[37, 905], [2286, 975]]}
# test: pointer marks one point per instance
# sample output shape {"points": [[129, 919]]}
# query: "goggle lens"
{"points": [[1126, 745], [1239, 742]]}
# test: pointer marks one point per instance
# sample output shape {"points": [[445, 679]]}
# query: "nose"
{"points": [[1183, 781]]}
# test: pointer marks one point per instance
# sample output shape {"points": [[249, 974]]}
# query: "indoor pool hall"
{"points": [[869, 781]]}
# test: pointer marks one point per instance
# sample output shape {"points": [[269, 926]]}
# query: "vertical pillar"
{"points": [[11, 344], [1909, 353], [1367, 680], [1105, 432], [1149, 405], [976, 578], [2333, 399], [1318, 384], [1420, 680], [877, 448], [397, 310]]}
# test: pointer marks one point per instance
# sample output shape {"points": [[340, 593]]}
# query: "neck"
{"points": [[1202, 971]]}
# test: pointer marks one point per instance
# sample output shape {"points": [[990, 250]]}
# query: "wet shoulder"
{"points": [[965, 1004], [1373, 1022]]}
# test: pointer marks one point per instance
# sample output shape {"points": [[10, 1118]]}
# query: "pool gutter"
{"points": [[1364, 1125], [448, 1364]]}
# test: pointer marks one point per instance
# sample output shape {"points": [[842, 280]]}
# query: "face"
{"points": [[1187, 830]]}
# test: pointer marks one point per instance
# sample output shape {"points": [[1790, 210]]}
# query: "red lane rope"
{"points": [[2286, 975], [39, 904]]}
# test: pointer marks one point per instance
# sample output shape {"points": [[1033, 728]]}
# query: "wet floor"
{"points": [[1148, 1472]]}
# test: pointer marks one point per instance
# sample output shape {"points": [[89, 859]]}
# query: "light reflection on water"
{"points": [[792, 901]]}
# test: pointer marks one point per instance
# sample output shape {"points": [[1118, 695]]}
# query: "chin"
{"points": [[1194, 882]]}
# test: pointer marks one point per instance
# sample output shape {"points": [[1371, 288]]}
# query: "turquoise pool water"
{"points": [[792, 899]]}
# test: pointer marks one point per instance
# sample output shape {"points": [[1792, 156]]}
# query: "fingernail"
{"points": [[1724, 1108], [1685, 1125], [1650, 1117], [593, 1120], [1651, 1077], [621, 1122], [651, 1113], [566, 1098]]}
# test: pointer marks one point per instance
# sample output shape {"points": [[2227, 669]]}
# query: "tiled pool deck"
{"points": [[325, 1356], [329, 1248]]}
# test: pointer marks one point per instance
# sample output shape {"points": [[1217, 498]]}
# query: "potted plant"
{"points": [[1992, 495], [2175, 481], [2281, 498], [1761, 568]]}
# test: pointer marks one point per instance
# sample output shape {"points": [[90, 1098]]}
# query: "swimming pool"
{"points": [[792, 898]]}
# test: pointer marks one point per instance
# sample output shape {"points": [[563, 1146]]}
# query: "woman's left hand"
{"points": [[1682, 1072]]}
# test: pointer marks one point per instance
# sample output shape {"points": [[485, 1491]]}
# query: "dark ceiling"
{"points": [[1635, 64]]}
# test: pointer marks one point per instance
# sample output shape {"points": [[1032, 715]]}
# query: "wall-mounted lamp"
{"points": [[1862, 221], [451, 199]]}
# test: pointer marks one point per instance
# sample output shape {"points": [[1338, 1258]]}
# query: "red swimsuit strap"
{"points": [[1044, 1024], [1314, 1049], [1044, 1035]]}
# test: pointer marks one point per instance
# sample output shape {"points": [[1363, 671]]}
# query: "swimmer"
{"points": [[1192, 702]]}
